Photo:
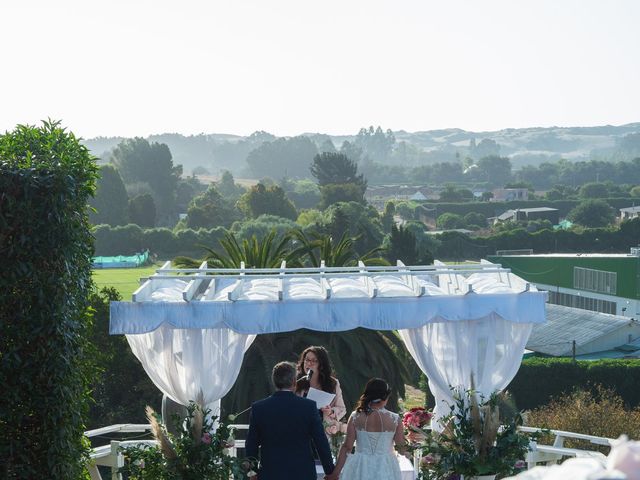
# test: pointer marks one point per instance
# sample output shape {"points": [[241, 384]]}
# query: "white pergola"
{"points": [[190, 328]]}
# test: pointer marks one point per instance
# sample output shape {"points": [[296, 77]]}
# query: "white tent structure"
{"points": [[191, 327]]}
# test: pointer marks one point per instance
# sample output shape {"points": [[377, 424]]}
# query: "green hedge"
{"points": [[458, 246], [46, 179], [540, 379], [492, 209], [129, 239]]}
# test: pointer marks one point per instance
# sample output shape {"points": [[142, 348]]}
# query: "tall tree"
{"points": [[284, 157], [592, 213], [336, 168], [142, 211], [403, 246], [111, 201], [209, 210], [494, 169], [141, 161], [261, 200]]}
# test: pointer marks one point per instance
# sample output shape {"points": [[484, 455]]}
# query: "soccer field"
{"points": [[125, 280]]}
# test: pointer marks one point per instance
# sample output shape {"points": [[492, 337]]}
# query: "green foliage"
{"points": [[304, 194], [450, 221], [309, 217], [455, 195], [494, 169], [594, 190], [335, 253], [262, 200], [357, 221], [403, 245], [475, 218], [142, 211], [283, 157], [46, 179], [592, 213], [594, 411], [110, 201], [268, 252], [341, 192], [197, 452], [140, 161], [186, 190], [261, 227], [228, 188], [122, 389], [210, 209], [541, 379], [329, 168], [475, 440], [372, 351], [374, 143]]}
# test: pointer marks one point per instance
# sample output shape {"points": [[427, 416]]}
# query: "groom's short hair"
{"points": [[284, 375]]}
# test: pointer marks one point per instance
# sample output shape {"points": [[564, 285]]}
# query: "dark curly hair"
{"points": [[323, 370], [375, 391]]}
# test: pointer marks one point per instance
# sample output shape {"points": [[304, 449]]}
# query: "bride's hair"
{"points": [[323, 370], [376, 390]]}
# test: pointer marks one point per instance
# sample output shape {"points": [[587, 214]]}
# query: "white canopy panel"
{"points": [[252, 301]]}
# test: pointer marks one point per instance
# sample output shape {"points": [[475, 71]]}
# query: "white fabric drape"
{"points": [[449, 353], [183, 362]]}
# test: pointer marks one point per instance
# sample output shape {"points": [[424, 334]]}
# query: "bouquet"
{"points": [[414, 421], [335, 431]]}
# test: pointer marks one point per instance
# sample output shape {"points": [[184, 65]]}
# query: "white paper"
{"points": [[321, 397]]}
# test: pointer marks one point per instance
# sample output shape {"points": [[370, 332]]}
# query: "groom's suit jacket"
{"points": [[281, 430]]}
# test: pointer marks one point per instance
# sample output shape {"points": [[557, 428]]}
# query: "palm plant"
{"points": [[255, 253], [335, 254]]}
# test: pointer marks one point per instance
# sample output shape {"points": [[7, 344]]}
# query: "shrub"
{"points": [[46, 179], [597, 411], [541, 379]]}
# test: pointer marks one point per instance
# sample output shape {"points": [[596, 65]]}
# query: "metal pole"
{"points": [[573, 350]]}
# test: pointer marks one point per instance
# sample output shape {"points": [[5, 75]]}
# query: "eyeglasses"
{"points": [[312, 361]]}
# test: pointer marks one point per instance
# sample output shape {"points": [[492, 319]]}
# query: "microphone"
{"points": [[309, 375]]}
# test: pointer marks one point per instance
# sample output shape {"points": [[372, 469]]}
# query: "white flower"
{"points": [[251, 473]]}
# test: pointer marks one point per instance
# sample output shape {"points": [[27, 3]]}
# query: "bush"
{"points": [[46, 179], [597, 411], [541, 379]]}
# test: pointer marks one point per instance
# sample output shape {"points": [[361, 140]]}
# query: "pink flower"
{"points": [[428, 459], [206, 438], [520, 464], [332, 429]]}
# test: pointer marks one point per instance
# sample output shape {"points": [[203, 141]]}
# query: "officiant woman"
{"points": [[317, 359]]}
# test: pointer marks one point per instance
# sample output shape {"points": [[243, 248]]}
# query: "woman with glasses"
{"points": [[317, 359]]}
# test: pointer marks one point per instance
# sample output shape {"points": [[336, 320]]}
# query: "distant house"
{"points": [[418, 196], [509, 194], [596, 335], [529, 214], [629, 213]]}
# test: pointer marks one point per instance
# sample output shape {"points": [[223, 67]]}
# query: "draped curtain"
{"points": [[450, 353], [184, 362]]}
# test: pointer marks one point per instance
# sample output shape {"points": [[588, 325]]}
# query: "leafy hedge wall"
{"points": [[46, 178], [540, 379]]}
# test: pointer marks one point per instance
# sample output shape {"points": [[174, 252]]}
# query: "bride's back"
{"points": [[375, 431]]}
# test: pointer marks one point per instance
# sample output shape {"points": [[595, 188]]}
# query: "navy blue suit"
{"points": [[281, 430]]}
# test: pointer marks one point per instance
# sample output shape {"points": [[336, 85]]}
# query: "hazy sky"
{"points": [[131, 67]]}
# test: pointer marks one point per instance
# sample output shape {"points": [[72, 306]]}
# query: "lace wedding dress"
{"points": [[374, 457]]}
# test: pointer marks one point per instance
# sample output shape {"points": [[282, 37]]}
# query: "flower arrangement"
{"points": [[198, 452], [335, 430], [473, 441], [415, 421]]}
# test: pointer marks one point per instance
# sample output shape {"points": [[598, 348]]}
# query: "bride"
{"points": [[374, 430]]}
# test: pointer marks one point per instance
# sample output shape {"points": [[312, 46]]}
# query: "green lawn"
{"points": [[125, 280]]}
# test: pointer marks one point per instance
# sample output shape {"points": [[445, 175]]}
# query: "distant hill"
{"points": [[524, 146]]}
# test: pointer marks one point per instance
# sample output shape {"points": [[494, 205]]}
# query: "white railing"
{"points": [[111, 456], [550, 454]]}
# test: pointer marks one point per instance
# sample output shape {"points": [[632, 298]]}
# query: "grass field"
{"points": [[125, 280]]}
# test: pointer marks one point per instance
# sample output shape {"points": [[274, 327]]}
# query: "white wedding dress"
{"points": [[374, 457]]}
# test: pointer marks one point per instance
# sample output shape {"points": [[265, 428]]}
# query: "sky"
{"points": [[135, 68]]}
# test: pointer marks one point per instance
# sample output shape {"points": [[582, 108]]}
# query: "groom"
{"points": [[281, 430]]}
